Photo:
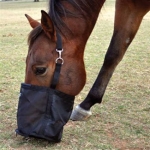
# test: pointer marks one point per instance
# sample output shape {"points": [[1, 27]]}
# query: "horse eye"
{"points": [[40, 70]]}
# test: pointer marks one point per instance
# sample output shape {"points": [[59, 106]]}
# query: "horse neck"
{"points": [[81, 25]]}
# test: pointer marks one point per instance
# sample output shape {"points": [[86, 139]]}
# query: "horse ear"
{"points": [[47, 25], [33, 23]]}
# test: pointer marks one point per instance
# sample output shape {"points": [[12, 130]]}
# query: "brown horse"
{"points": [[74, 20]]}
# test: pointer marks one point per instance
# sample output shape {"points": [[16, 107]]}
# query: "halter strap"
{"points": [[59, 42], [58, 65]]}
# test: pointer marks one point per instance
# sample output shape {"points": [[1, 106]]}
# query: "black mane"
{"points": [[83, 9]]}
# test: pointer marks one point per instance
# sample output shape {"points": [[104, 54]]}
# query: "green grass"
{"points": [[122, 121]]}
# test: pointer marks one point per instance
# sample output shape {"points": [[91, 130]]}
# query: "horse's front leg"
{"points": [[128, 17]]}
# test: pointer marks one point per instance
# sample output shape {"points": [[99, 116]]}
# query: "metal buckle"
{"points": [[59, 56]]}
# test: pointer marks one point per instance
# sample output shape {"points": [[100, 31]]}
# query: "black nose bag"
{"points": [[42, 111]]}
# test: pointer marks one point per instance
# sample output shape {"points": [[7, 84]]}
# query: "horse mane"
{"points": [[34, 34], [82, 9]]}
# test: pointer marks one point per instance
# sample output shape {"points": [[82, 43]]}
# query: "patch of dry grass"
{"points": [[122, 121]]}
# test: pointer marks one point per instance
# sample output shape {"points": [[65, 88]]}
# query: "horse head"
{"points": [[42, 55]]}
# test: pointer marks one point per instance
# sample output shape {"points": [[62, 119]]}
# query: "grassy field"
{"points": [[121, 122]]}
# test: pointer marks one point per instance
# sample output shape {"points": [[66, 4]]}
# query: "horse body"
{"points": [[75, 20]]}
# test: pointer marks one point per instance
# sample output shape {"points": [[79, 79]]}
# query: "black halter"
{"points": [[59, 49], [59, 42]]}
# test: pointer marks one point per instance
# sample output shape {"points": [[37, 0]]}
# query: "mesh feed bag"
{"points": [[42, 112]]}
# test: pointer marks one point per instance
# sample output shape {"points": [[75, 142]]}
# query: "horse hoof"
{"points": [[79, 114]]}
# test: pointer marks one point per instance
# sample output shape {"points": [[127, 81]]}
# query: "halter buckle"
{"points": [[59, 56]]}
